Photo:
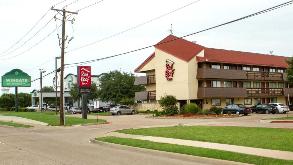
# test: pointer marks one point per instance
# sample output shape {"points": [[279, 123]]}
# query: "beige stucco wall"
{"points": [[149, 66], [148, 106], [184, 83], [151, 87]]}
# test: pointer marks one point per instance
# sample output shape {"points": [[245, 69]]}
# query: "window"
{"points": [[273, 85], [255, 69], [256, 84], [216, 66], [247, 101], [216, 102], [229, 101], [247, 68], [226, 67], [272, 70], [228, 84], [281, 85], [216, 84], [273, 100], [280, 71], [246, 84]]}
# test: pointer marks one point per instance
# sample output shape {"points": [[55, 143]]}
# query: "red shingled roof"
{"points": [[145, 62], [178, 47], [186, 50], [246, 58]]}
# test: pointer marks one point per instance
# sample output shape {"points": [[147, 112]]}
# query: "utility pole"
{"points": [[56, 83], [64, 12], [41, 86]]}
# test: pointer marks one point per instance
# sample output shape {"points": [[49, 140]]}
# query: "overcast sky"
{"points": [[271, 31]]}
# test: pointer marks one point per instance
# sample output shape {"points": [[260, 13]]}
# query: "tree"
{"points": [[7, 100], [116, 86], [24, 99], [76, 95], [48, 89], [290, 70]]}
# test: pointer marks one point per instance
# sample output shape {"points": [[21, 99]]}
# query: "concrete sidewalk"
{"points": [[286, 155], [21, 120]]}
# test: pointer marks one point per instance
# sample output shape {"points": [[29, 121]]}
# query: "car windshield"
{"points": [[281, 104], [241, 106]]}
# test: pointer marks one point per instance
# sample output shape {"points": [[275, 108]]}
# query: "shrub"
{"points": [[216, 110], [169, 105], [191, 109], [204, 112]]}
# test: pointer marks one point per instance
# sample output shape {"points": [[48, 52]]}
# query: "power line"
{"points": [[85, 7], [201, 31], [36, 44], [134, 27]]}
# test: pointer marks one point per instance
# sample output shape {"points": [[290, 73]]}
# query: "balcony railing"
{"points": [[265, 76], [264, 92], [145, 80], [151, 79]]}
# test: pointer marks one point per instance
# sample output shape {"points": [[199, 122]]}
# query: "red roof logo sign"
{"points": [[84, 76], [169, 72]]}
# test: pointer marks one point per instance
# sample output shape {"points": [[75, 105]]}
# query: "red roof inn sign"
{"points": [[169, 72], [16, 78], [84, 77]]}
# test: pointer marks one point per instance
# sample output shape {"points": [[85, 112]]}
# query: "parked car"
{"points": [[107, 107], [236, 109], [74, 110], [32, 108], [122, 109], [265, 108], [281, 107]]}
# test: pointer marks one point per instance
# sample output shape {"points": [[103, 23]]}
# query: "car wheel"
{"points": [[245, 114], [132, 112], [118, 113], [267, 112]]}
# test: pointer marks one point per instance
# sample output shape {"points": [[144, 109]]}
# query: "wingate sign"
{"points": [[84, 76]]}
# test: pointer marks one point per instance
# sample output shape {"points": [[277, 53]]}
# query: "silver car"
{"points": [[122, 109], [281, 107]]}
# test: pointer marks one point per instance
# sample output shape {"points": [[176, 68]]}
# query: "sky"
{"points": [[92, 27]]}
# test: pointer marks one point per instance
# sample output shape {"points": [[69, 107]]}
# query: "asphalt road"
{"points": [[43, 145]]}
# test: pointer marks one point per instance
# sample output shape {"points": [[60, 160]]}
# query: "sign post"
{"points": [[84, 85], [16, 78]]}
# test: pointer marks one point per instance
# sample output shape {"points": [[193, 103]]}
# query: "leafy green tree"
{"points": [[76, 95], [7, 100], [48, 89], [290, 70], [24, 99], [116, 86]]}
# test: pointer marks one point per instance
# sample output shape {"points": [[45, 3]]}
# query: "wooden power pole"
{"points": [[64, 12]]}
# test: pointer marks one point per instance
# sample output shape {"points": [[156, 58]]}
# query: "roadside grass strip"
{"points": [[52, 119], [196, 151], [13, 124], [266, 138], [282, 118]]}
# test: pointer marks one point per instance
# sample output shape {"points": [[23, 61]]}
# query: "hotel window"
{"points": [[247, 68], [273, 100], [280, 71], [248, 101], [281, 85], [247, 84], [255, 69], [216, 84], [216, 66], [228, 84], [226, 67], [216, 102], [272, 70], [273, 85], [229, 101], [256, 84]]}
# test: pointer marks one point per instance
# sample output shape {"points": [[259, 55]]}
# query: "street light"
{"points": [[41, 86]]}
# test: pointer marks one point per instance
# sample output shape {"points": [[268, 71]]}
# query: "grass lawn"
{"points": [[12, 124], [203, 152], [282, 118], [102, 114], [52, 119], [269, 138]]}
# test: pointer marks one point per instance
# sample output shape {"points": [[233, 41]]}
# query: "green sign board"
{"points": [[16, 78]]}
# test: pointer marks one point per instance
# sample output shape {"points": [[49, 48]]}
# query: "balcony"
{"points": [[221, 92], [265, 92], [265, 76], [288, 91], [145, 95], [145, 80], [203, 73]]}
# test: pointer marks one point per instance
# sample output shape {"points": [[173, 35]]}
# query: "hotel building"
{"points": [[211, 77]]}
